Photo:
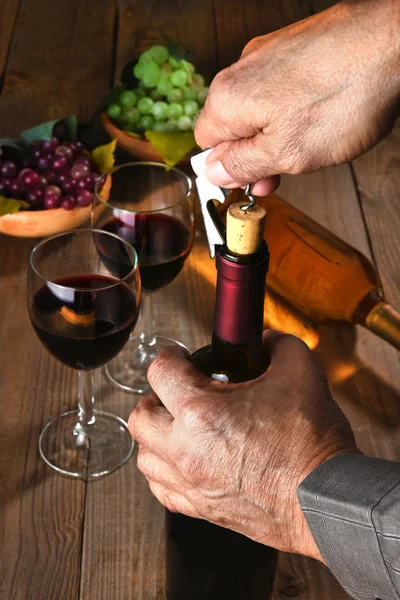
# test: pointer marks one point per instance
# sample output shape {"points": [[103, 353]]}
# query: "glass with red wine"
{"points": [[149, 205], [84, 295]]}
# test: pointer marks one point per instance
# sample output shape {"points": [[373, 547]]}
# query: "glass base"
{"points": [[89, 452], [128, 370]]}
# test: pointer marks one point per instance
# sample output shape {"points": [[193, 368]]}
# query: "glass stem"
{"points": [[85, 400], [147, 336]]}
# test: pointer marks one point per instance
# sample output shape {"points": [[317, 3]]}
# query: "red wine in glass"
{"points": [[81, 324], [161, 241]]}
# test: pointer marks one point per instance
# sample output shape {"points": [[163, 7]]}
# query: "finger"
{"points": [[172, 500], [150, 424], [237, 163], [266, 186], [285, 351], [155, 468], [172, 377]]}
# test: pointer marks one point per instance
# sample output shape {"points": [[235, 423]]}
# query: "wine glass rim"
{"points": [[84, 230], [141, 163]]}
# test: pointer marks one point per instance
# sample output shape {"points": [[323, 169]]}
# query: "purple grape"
{"points": [[69, 185], [50, 176], [67, 202], [46, 146], [35, 198], [28, 179], [82, 159], [3, 189], [42, 183], [37, 153], [6, 184], [9, 168], [84, 198], [59, 163], [51, 201], [13, 188], [79, 170], [60, 178], [76, 146], [43, 163], [52, 190], [65, 152], [82, 184]]}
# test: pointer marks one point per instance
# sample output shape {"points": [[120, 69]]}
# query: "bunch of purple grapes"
{"points": [[52, 174]]}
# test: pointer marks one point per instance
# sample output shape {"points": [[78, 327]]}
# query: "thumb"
{"points": [[239, 162]]}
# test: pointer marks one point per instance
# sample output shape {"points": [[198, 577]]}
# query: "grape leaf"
{"points": [[103, 156], [8, 206], [44, 131], [171, 146], [11, 143]]}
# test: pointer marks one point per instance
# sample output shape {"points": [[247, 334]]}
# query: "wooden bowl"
{"points": [[137, 147], [41, 223]]}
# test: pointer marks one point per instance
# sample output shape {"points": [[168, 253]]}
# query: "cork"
{"points": [[84, 319], [244, 228]]}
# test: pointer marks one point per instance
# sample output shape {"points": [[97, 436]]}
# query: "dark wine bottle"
{"points": [[204, 561]]}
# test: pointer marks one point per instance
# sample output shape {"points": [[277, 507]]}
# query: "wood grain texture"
{"points": [[8, 14], [189, 22], [237, 22], [59, 63], [41, 524]]}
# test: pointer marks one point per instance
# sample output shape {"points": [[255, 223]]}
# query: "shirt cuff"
{"points": [[340, 501]]}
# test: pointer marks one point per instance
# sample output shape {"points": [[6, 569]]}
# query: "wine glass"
{"points": [[149, 205], [83, 297]]}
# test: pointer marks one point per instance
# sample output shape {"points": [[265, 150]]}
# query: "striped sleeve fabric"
{"points": [[352, 507]]}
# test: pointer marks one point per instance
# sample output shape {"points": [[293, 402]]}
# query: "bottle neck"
{"points": [[239, 304], [384, 320]]}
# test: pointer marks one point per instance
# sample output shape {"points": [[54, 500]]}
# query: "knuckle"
{"points": [[195, 414]]}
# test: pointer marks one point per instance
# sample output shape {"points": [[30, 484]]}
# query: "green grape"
{"points": [[130, 115], [179, 78], [202, 95], [160, 126], [174, 110], [127, 98], [198, 82], [190, 108], [173, 62], [155, 95], [164, 87], [151, 73], [142, 86], [175, 96], [146, 122], [189, 93], [166, 71], [187, 66], [157, 53], [171, 126], [113, 111], [184, 123], [160, 110], [139, 93], [138, 70], [145, 105]]}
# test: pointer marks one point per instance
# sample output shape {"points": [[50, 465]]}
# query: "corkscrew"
{"points": [[213, 224]]}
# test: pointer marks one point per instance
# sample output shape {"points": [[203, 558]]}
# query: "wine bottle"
{"points": [[322, 275], [205, 561]]}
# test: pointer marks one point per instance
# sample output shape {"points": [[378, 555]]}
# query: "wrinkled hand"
{"points": [[320, 92], [234, 454]]}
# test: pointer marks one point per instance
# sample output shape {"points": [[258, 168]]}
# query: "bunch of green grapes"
{"points": [[168, 98]]}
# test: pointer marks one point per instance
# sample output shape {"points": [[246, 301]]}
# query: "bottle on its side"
{"points": [[205, 561]]}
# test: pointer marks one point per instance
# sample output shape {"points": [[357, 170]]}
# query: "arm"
{"points": [[317, 93], [352, 507]]}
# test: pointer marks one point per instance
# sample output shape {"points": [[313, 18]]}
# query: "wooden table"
{"points": [[63, 539]]}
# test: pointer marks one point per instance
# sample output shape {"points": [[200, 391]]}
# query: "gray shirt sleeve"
{"points": [[352, 507]]}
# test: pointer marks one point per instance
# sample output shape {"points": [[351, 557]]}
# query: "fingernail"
{"points": [[216, 173]]}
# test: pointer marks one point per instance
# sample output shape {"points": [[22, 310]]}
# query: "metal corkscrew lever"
{"points": [[213, 224]]}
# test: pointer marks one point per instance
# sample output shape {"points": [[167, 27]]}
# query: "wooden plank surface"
{"points": [[8, 14]]}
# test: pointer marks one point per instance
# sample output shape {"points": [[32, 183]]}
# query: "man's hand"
{"points": [[317, 93], [234, 454]]}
